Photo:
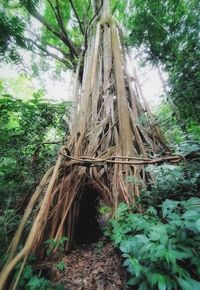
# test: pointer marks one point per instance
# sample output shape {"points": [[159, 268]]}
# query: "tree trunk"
{"points": [[107, 145]]}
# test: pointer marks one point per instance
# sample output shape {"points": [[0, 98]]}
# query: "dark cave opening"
{"points": [[87, 229]]}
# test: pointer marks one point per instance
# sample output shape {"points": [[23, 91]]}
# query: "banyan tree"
{"points": [[108, 144]]}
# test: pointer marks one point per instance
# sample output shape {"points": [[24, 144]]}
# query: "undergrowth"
{"points": [[34, 280], [34, 277], [161, 245]]}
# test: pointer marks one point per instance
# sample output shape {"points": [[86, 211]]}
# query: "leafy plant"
{"points": [[98, 247], [31, 281], [103, 208], [188, 147], [61, 266], [8, 221], [29, 135], [178, 132], [177, 182], [172, 127], [160, 251], [55, 244]]}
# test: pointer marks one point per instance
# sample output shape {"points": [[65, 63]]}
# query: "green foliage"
{"points": [[31, 281], [55, 244], [161, 251], [98, 247], [175, 130], [103, 208], [173, 182], [11, 36], [9, 220], [60, 37], [193, 130], [168, 32], [169, 124], [33, 278], [134, 180], [30, 5], [160, 246], [25, 126], [29, 132], [187, 148], [38, 283], [61, 266]]}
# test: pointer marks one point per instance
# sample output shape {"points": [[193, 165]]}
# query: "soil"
{"points": [[95, 266]]}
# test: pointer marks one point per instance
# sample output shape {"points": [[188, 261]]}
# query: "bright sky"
{"points": [[149, 78], [55, 89], [150, 82], [62, 89]]}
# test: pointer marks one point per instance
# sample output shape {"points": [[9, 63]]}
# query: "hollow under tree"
{"points": [[107, 144]]}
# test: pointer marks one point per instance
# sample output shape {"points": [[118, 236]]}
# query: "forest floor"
{"points": [[95, 266]]}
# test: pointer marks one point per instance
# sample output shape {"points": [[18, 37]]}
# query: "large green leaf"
{"points": [[189, 284], [159, 233]]}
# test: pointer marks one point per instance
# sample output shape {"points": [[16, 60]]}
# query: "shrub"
{"points": [[160, 250]]}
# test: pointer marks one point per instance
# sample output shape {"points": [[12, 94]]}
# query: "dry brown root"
{"points": [[15, 241]]}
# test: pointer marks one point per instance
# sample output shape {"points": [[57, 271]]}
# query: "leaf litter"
{"points": [[95, 266]]}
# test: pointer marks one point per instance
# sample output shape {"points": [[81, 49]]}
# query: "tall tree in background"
{"points": [[108, 143], [168, 33]]}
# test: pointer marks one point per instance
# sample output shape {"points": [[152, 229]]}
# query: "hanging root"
{"points": [[15, 241]]}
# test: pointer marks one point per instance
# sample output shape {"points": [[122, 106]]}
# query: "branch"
{"points": [[52, 142], [52, 7], [88, 28], [114, 8], [60, 19], [56, 11], [67, 55], [61, 36], [48, 26], [96, 14], [85, 15], [49, 53], [92, 161], [76, 14]]}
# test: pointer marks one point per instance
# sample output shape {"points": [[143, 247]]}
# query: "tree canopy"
{"points": [[56, 31]]}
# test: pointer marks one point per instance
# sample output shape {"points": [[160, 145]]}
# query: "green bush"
{"points": [[31, 281], [160, 250], [161, 246], [31, 132], [177, 182], [36, 278]]}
